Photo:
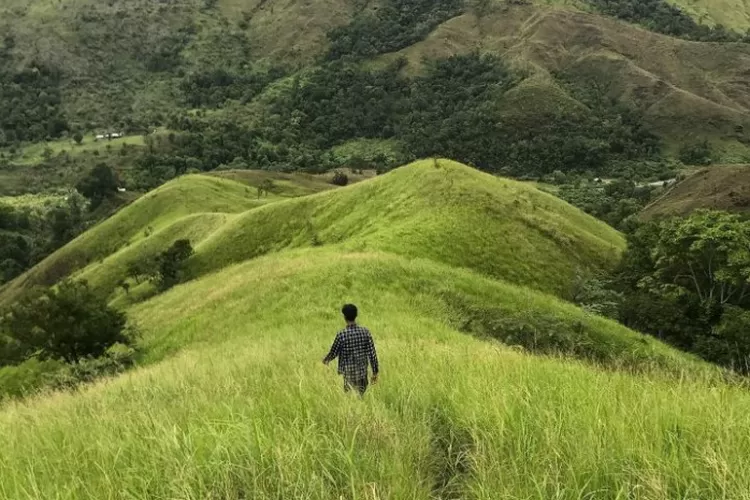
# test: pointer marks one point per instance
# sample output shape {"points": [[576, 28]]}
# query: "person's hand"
{"points": [[325, 362]]}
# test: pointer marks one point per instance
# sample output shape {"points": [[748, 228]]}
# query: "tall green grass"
{"points": [[247, 410], [488, 390]]}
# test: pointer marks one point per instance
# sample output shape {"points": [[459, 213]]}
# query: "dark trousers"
{"points": [[359, 384]]}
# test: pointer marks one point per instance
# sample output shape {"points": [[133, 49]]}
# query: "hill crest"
{"points": [[434, 209]]}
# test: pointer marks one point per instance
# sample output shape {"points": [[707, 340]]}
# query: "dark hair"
{"points": [[350, 312]]}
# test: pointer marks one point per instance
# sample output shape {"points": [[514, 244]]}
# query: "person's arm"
{"points": [[373, 354], [335, 349]]}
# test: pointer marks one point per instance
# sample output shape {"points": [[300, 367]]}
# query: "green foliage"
{"points": [[340, 178], [28, 235], [663, 17], [99, 185], [78, 137], [395, 25], [30, 104], [687, 280], [696, 154], [597, 296], [212, 88], [117, 359], [170, 264], [66, 323], [613, 202]]}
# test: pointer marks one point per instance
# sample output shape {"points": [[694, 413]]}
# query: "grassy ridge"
{"points": [[156, 210], [248, 409], [201, 312], [519, 233], [424, 210]]}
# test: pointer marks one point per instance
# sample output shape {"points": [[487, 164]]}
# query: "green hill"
{"points": [[189, 207], [478, 398], [685, 90], [246, 408], [432, 209]]}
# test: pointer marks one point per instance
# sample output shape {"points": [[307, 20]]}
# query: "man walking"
{"points": [[355, 349]]}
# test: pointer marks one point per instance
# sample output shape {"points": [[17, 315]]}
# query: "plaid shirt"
{"points": [[354, 348]]}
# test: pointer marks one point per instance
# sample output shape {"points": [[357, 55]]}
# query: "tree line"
{"points": [[30, 104]]}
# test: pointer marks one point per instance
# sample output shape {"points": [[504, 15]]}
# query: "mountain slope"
{"points": [[435, 209], [134, 79], [685, 89], [718, 188]]}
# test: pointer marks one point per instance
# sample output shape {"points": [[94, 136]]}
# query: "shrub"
{"points": [[171, 262], [696, 154], [68, 323], [340, 179], [117, 359]]}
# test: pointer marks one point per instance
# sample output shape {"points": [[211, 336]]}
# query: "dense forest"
{"points": [[685, 281], [394, 25], [30, 102]]}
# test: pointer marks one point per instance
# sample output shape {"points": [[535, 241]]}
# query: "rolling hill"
{"points": [[232, 402], [421, 210]]}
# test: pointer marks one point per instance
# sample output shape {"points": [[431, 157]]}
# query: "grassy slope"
{"points": [[719, 188], [192, 207], [34, 153], [248, 410], [517, 233], [158, 210], [235, 402], [424, 210]]}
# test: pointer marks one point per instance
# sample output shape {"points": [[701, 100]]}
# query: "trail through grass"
{"points": [[250, 412]]}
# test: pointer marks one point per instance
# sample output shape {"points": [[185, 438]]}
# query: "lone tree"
{"points": [[265, 187], [340, 178], [171, 264], [69, 323], [98, 185]]}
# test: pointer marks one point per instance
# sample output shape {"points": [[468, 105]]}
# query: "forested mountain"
{"points": [[521, 88]]}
